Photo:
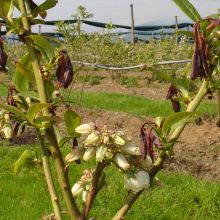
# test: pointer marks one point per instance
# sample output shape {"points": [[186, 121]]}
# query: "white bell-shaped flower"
{"points": [[74, 155], [84, 195], [130, 149], [138, 181], [100, 153], [85, 128], [89, 153], [77, 188], [117, 139], [7, 130], [121, 161], [92, 139]]}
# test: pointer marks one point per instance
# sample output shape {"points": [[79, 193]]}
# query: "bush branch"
{"points": [[94, 188], [49, 179], [158, 164]]}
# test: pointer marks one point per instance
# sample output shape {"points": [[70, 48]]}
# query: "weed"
{"points": [[127, 81], [92, 80]]}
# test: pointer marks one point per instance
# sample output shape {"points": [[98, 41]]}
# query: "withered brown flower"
{"points": [[64, 71], [172, 93], [199, 62]]}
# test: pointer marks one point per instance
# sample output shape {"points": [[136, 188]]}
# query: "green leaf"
{"points": [[22, 69], [13, 110], [10, 12], [46, 44], [5, 9], [33, 111], [175, 120], [159, 121], [64, 140], [26, 155], [72, 120], [23, 75], [188, 9], [31, 94], [42, 8], [165, 76], [3, 89], [49, 86]]}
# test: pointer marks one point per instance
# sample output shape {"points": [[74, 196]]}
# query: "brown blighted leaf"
{"points": [[3, 57], [199, 62], [214, 22], [148, 141], [64, 71]]}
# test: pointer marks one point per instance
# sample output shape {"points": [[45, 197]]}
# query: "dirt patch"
{"points": [[198, 149], [114, 83], [197, 152]]}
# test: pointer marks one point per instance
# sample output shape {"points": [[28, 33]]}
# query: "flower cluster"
{"points": [[5, 125], [83, 185], [113, 147]]}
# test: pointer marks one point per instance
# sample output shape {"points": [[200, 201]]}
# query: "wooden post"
{"points": [[176, 28], [79, 26], [132, 25], [13, 39]]}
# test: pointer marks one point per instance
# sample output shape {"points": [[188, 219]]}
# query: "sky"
{"points": [[148, 12]]}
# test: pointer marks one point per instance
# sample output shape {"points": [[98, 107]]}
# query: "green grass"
{"points": [[127, 81], [133, 104], [25, 196], [92, 80]]}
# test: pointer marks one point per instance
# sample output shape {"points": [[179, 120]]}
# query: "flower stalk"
{"points": [[94, 188], [49, 179]]}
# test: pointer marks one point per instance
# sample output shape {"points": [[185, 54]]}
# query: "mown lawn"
{"points": [[133, 104], [25, 196], [128, 103]]}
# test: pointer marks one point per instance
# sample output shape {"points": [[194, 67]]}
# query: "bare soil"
{"points": [[197, 152]]}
